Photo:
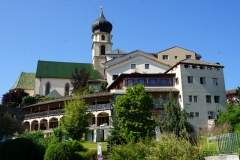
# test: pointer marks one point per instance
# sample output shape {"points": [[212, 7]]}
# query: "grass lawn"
{"points": [[93, 145]]}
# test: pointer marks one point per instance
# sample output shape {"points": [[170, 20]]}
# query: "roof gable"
{"points": [[26, 80], [127, 56], [148, 59], [175, 48], [49, 69]]}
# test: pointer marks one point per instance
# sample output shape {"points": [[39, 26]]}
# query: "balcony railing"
{"points": [[45, 114], [159, 106], [99, 107]]}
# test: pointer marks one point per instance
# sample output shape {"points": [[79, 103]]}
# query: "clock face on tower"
{"points": [[102, 63]]}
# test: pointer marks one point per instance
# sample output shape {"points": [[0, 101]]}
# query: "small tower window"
{"points": [[47, 89], [103, 37], [66, 89], [102, 50]]}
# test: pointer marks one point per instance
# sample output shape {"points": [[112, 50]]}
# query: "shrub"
{"points": [[20, 148], [64, 150], [169, 147]]}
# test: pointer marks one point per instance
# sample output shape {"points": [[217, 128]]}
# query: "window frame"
{"points": [[146, 65], [188, 56], [165, 57], [217, 100], [210, 115], [195, 99], [103, 50], [47, 88], [190, 79], [195, 114], [203, 80], [208, 96], [103, 37], [133, 64], [215, 81], [190, 98]]}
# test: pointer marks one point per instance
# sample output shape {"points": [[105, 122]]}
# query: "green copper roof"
{"points": [[49, 69], [25, 81]]}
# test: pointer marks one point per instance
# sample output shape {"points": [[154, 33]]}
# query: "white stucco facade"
{"points": [[55, 84], [193, 94], [140, 63]]}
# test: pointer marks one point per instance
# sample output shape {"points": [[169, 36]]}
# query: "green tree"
{"points": [[231, 114], [103, 86], [75, 118], [133, 114], [176, 119], [9, 125], [79, 79]]}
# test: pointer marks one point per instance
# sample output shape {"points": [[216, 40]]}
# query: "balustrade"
{"points": [[98, 107], [45, 114]]}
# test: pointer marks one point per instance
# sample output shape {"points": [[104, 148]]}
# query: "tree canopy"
{"points": [[232, 113], [75, 118], [176, 119], [9, 125], [132, 112], [14, 96], [79, 79]]}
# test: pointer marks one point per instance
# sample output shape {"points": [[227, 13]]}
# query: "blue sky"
{"points": [[60, 30]]}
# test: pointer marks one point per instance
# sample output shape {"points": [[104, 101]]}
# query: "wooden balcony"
{"points": [[44, 114]]}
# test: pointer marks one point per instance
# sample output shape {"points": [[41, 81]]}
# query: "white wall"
{"points": [[125, 67], [56, 83], [201, 90]]}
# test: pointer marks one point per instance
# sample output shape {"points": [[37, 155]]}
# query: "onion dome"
{"points": [[101, 25]]}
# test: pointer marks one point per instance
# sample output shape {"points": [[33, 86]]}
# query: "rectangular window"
{"points": [[215, 81], [210, 115], [146, 66], [216, 99], [208, 99], [114, 77], [196, 114], [133, 66], [164, 57], [202, 80], [190, 79], [195, 98], [188, 56], [190, 98], [176, 57]]}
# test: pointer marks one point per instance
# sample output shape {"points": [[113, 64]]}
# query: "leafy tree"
{"points": [[75, 119], [176, 119], [13, 96], [232, 114], [28, 100], [103, 86], [9, 125], [133, 114], [88, 89], [79, 79]]}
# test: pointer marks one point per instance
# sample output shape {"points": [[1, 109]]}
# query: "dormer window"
{"points": [[103, 37]]}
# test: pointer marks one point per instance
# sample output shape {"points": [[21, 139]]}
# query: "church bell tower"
{"points": [[102, 44]]}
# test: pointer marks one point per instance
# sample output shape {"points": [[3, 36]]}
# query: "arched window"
{"points": [[67, 87], [103, 37], [102, 50], [47, 88]]}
